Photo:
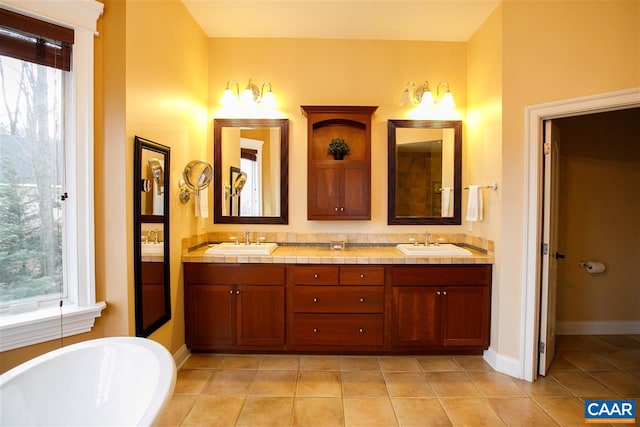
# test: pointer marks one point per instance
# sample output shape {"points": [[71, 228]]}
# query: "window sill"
{"points": [[23, 329]]}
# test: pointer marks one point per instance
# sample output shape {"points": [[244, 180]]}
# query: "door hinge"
{"points": [[547, 147], [545, 248], [541, 347]]}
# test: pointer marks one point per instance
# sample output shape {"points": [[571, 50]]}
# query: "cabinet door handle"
{"points": [[315, 300], [341, 209], [237, 292], [437, 292], [444, 293], [315, 330], [361, 330], [336, 208], [361, 299]]}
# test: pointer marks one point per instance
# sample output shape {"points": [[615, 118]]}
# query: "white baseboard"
{"points": [[598, 328], [506, 365], [181, 356]]}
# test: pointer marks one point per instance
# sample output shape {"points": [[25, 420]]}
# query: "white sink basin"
{"points": [[444, 249], [241, 249], [152, 249]]}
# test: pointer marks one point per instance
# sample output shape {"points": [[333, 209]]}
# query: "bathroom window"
{"points": [[46, 172]]}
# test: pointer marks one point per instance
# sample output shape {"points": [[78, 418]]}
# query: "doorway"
{"points": [[535, 116]]}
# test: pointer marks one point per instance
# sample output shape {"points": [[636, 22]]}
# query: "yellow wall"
{"points": [[551, 51], [335, 72]]}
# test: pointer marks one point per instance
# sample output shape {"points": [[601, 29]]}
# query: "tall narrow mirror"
{"points": [[425, 168], [251, 163], [151, 235]]}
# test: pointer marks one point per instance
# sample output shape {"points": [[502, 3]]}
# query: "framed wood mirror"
{"points": [[151, 235], [251, 164], [425, 172]]}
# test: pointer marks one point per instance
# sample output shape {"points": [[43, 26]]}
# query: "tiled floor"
{"points": [[326, 391]]}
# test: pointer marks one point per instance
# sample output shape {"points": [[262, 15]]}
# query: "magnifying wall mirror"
{"points": [[251, 163], [425, 168], [151, 236]]}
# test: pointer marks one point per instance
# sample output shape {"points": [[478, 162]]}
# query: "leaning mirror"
{"points": [[425, 168], [251, 162], [151, 236]]}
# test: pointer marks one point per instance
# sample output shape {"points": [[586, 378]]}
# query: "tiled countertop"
{"points": [[325, 255]]}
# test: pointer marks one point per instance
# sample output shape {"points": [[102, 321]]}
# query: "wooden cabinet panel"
{"points": [[416, 317], [361, 275], [316, 275], [260, 315], [338, 329], [465, 316], [235, 274], [209, 316], [323, 197], [441, 275], [338, 299], [355, 202]]}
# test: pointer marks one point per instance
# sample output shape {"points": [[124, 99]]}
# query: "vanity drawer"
{"points": [[316, 275], [233, 274], [357, 275], [441, 275], [338, 299], [338, 329]]}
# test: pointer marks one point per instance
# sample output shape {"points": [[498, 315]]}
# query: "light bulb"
{"points": [[447, 100], [268, 100], [228, 98], [427, 99]]}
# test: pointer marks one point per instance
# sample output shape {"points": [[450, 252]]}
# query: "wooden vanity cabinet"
{"points": [[231, 306], [337, 307], [339, 189], [441, 306]]}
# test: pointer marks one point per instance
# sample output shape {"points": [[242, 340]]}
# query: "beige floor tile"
{"points": [[319, 363], [472, 363], [192, 380], [202, 361], [319, 384], [359, 363], [582, 385], [543, 386], [627, 342], [623, 383], [214, 411], [420, 412], [495, 384], [470, 411], [399, 364], [363, 384], [177, 409], [272, 363], [560, 363], [240, 362], [230, 382], [438, 363], [266, 411], [626, 360], [318, 412], [274, 383], [451, 384], [564, 410], [521, 412], [588, 361], [369, 412], [407, 384]]}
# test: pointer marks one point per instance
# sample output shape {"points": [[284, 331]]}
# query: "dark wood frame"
{"points": [[143, 330], [218, 216], [456, 219]]}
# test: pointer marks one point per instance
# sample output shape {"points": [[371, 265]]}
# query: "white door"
{"points": [[550, 253]]}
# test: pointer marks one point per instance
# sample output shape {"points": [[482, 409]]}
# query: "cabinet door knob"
{"points": [[336, 208], [315, 300], [315, 330], [237, 292], [444, 293], [437, 292], [231, 291], [361, 330], [362, 276], [315, 276], [341, 209], [361, 299]]}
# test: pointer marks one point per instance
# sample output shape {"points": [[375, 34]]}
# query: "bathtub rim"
{"points": [[166, 383]]}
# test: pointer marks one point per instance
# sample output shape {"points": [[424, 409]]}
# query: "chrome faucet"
{"points": [[427, 237], [247, 238]]}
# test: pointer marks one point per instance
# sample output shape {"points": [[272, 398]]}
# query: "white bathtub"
{"points": [[104, 382]]}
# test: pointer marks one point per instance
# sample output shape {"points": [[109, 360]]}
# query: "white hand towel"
{"points": [[447, 203], [474, 207], [201, 204]]}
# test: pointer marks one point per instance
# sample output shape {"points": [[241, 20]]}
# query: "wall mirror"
{"points": [[425, 168], [251, 163], [151, 236]]}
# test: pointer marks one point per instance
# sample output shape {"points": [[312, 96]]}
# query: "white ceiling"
{"points": [[434, 20]]}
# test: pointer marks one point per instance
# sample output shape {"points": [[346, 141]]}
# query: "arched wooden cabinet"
{"points": [[339, 189]]}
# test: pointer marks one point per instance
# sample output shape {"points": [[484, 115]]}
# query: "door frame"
{"points": [[533, 205]]}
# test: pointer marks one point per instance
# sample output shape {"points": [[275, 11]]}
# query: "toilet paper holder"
{"points": [[592, 266]]}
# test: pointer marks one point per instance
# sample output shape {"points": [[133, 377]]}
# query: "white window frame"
{"points": [[80, 309]]}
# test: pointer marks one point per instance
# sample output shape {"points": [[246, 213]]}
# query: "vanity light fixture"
{"points": [[423, 97], [251, 96]]}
